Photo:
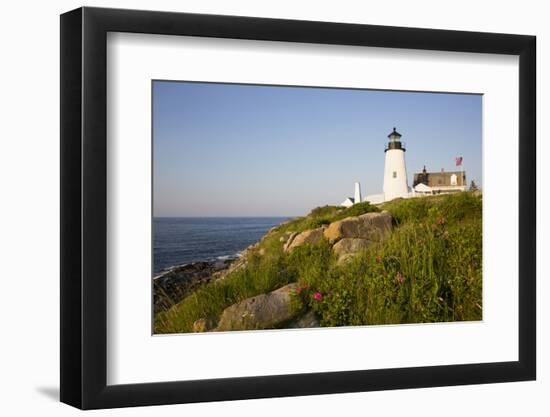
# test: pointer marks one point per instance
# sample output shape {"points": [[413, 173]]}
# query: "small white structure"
{"points": [[357, 194], [350, 201], [395, 169]]}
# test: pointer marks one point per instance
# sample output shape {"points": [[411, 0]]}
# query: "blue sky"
{"points": [[249, 150]]}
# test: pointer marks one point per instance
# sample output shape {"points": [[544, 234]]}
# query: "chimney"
{"points": [[357, 194]]}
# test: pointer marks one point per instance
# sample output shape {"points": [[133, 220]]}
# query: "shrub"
{"points": [[413, 209], [315, 223], [359, 209], [325, 211], [453, 207]]}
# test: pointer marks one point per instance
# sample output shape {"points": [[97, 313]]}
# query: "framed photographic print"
{"points": [[259, 207]]}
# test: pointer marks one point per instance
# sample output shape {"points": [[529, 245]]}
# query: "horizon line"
{"points": [[225, 216]]}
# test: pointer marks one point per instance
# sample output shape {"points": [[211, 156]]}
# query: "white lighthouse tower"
{"points": [[395, 170]]}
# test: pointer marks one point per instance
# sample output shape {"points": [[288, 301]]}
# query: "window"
{"points": [[394, 174], [453, 179]]}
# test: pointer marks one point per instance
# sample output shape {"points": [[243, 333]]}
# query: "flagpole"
{"points": [[462, 171], [459, 161]]}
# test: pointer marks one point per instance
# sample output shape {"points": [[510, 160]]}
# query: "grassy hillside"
{"points": [[428, 269]]}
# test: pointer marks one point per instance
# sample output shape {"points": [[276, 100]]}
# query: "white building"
{"points": [[422, 189], [350, 201], [395, 178]]}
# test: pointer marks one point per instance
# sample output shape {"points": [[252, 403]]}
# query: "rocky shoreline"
{"points": [[173, 285], [347, 237]]}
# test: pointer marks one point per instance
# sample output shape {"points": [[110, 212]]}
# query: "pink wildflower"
{"points": [[440, 221], [317, 296], [400, 278]]}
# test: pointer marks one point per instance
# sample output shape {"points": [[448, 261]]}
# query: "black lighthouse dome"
{"points": [[395, 135], [395, 141]]}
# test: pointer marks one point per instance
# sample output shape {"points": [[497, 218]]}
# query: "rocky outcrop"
{"points": [[370, 226], [287, 236], [237, 264], [172, 286], [305, 321], [265, 311], [289, 241], [350, 245], [203, 325], [309, 237]]}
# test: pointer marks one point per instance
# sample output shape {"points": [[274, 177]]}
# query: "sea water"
{"points": [[182, 240]]}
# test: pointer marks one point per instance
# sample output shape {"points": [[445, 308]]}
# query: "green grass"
{"points": [[427, 270], [453, 207], [418, 274], [325, 215], [261, 275]]}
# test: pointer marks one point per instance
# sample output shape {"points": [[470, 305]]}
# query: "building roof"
{"points": [[444, 173], [394, 133], [350, 201], [423, 188]]}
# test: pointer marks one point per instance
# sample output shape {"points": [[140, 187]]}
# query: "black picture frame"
{"points": [[84, 207]]}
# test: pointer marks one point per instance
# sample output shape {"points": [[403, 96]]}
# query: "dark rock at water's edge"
{"points": [[171, 286], [305, 321]]}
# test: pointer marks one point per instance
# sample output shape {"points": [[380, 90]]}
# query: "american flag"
{"points": [[458, 161]]}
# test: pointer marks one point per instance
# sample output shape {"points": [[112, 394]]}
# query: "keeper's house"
{"points": [[429, 183]]}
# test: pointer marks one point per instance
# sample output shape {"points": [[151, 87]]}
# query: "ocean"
{"points": [[182, 240]]}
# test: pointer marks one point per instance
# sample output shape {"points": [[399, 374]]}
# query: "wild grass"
{"points": [[261, 275], [325, 215], [420, 273], [429, 269]]}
